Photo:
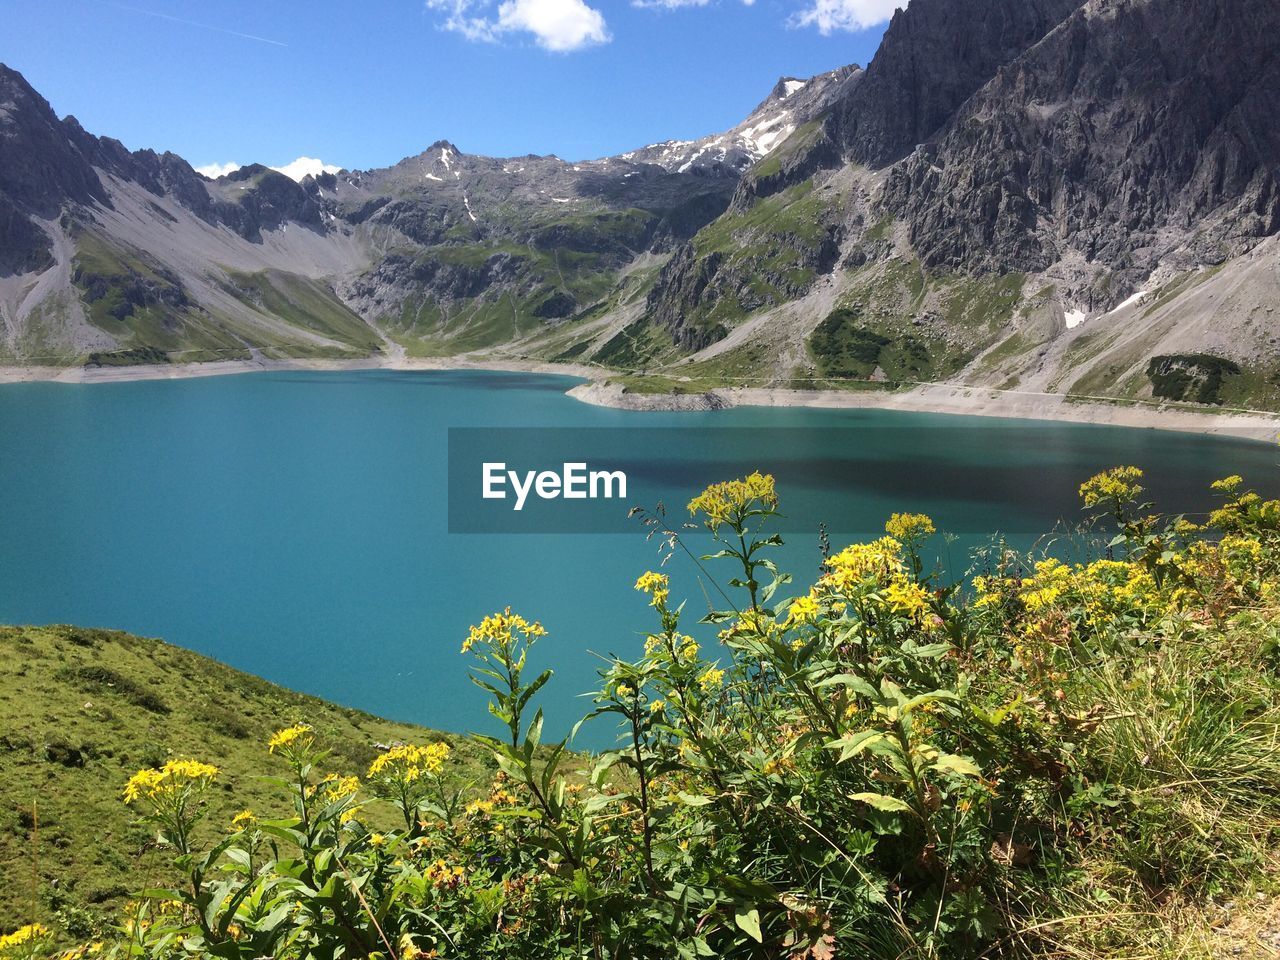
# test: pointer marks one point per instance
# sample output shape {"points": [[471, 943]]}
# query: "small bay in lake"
{"points": [[297, 525]]}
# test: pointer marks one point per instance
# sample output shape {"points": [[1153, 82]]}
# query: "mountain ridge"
{"points": [[1004, 197]]}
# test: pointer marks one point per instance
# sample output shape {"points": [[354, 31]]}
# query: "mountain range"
{"points": [[1055, 196]]}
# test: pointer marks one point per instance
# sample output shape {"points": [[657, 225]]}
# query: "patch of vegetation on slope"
{"points": [[453, 299], [579, 338], [841, 347], [1106, 364], [43, 338], [141, 304], [747, 261], [127, 358], [1197, 377], [145, 308], [913, 325], [637, 346], [1035, 324], [749, 364], [526, 273], [306, 304], [81, 710], [118, 285]]}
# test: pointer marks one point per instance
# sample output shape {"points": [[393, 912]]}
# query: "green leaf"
{"points": [[852, 682], [931, 651], [882, 802], [164, 893], [853, 744], [748, 922], [692, 800], [534, 736], [922, 699], [951, 763]]}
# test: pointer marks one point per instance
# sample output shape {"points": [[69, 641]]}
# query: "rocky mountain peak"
{"points": [[785, 87], [39, 164], [444, 146], [791, 104], [934, 56]]}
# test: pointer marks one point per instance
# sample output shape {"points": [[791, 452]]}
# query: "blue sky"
{"points": [[364, 84]]}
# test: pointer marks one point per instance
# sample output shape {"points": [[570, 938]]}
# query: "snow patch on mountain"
{"points": [[791, 104]]}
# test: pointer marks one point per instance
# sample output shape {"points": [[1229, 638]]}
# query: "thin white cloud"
{"points": [[677, 4], [305, 167], [832, 15], [668, 4], [557, 25], [460, 19], [192, 23], [215, 170]]}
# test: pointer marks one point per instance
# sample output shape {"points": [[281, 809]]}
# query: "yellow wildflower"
{"points": [[299, 735], [243, 820], [500, 630], [803, 610], [408, 762], [23, 937], [734, 499], [753, 624], [1119, 486], [441, 874], [879, 559], [656, 585], [777, 765], [907, 597], [335, 787], [909, 526], [411, 951], [169, 781], [711, 679]]}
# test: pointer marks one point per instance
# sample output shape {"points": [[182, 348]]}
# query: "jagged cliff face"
{"points": [[1021, 194], [1052, 195], [935, 55], [1126, 121]]}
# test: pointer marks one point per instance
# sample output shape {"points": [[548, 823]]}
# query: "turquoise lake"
{"points": [[295, 525]]}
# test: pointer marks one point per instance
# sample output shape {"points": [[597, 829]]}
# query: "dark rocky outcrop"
{"points": [[41, 168], [24, 247], [934, 56], [269, 200], [1128, 119], [693, 289]]}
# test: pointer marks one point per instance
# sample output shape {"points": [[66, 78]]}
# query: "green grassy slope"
{"points": [[81, 710]]}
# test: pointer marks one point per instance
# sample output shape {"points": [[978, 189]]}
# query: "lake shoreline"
{"points": [[943, 398]]}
